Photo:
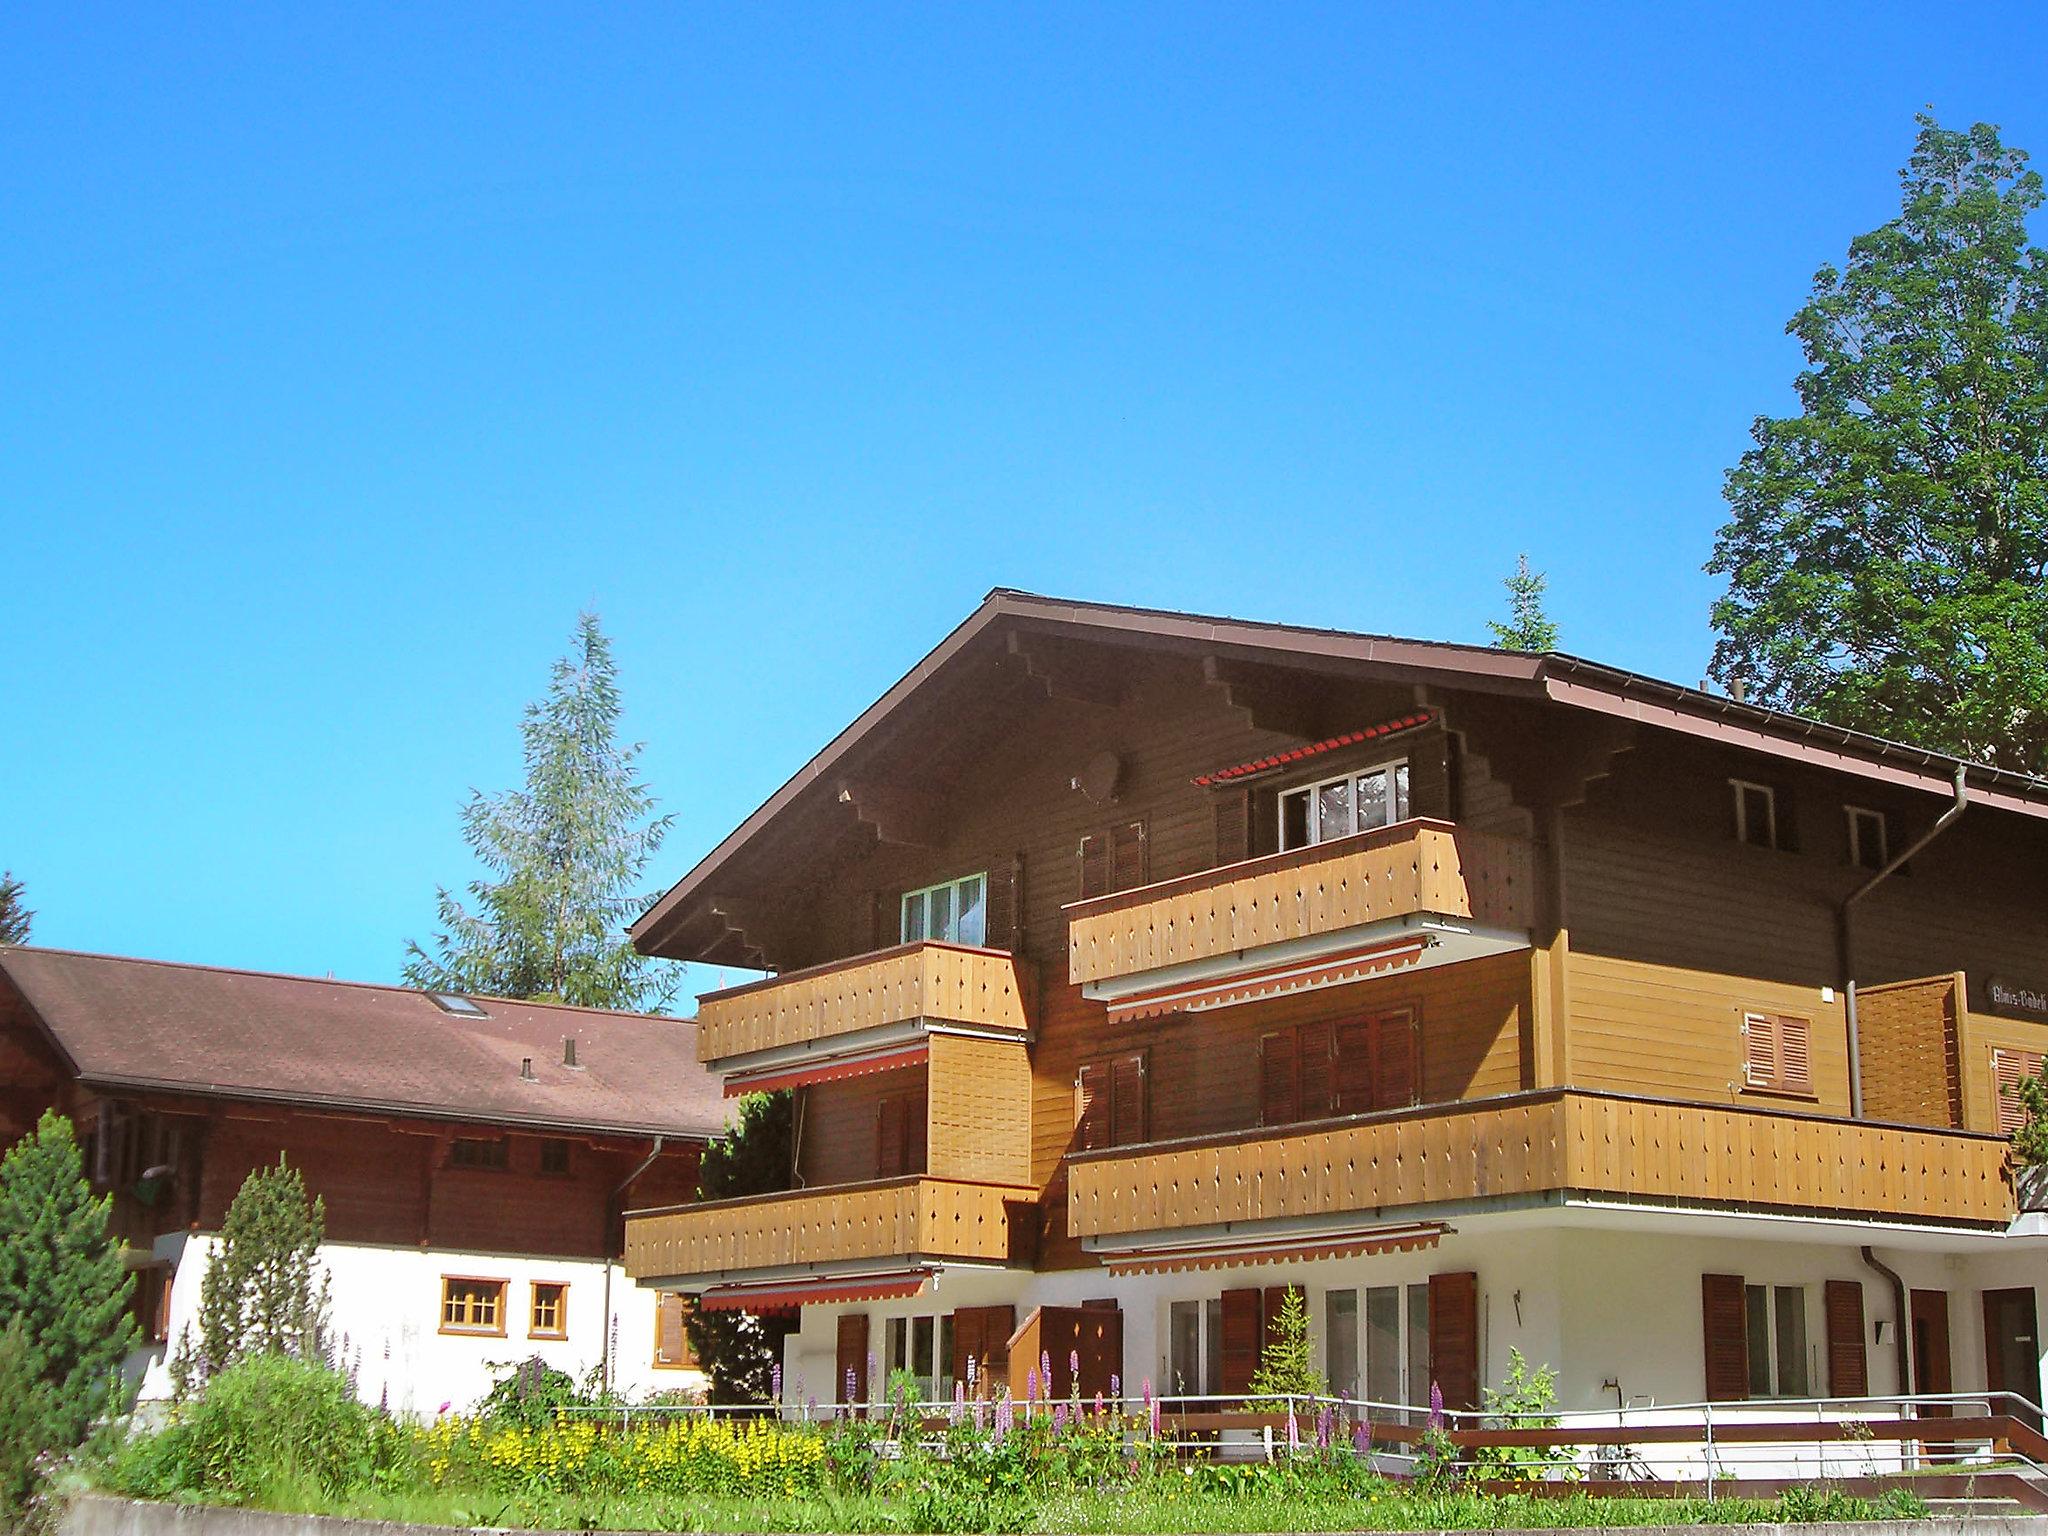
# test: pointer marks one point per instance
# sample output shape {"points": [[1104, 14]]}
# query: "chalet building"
{"points": [[1131, 967], [474, 1155]]}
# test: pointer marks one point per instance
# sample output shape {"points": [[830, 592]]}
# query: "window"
{"points": [[1110, 1102], [1776, 1320], [479, 1152], [1113, 860], [1777, 1054], [1351, 1067], [955, 911], [549, 1315], [1390, 1341], [554, 1155], [671, 1334], [1756, 814], [1194, 1353], [899, 1135], [461, 1007], [1869, 846], [1357, 802], [472, 1306], [2009, 1068], [923, 1346], [150, 1303]]}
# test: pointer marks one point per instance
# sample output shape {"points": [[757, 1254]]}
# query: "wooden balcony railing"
{"points": [[928, 980], [1411, 868], [1535, 1143], [915, 1217]]}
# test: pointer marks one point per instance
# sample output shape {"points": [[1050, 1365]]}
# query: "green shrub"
{"points": [[529, 1396]]}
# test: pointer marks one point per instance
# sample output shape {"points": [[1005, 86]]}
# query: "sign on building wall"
{"points": [[2011, 997]]}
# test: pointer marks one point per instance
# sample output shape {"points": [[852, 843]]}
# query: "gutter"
{"points": [[1843, 935], [1901, 1342]]}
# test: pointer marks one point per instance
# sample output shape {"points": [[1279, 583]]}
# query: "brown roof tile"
{"points": [[251, 1035]]}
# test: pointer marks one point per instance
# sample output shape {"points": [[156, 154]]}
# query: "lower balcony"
{"points": [[891, 1233], [1340, 1180]]}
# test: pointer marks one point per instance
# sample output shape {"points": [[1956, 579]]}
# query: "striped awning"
{"points": [[1294, 1249], [1305, 974], [788, 1295], [768, 1079]]}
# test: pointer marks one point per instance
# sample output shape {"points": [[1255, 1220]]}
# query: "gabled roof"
{"points": [[1552, 677], [136, 1025]]}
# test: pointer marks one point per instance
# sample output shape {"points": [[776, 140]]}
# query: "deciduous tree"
{"points": [[1887, 559]]}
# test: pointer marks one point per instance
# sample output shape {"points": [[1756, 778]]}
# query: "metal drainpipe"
{"points": [[605, 1342], [1842, 933], [1901, 1327]]}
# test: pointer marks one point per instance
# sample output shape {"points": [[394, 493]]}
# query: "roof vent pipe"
{"points": [[568, 1050], [526, 1069]]}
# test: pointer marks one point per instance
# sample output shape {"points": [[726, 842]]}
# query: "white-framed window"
{"points": [[1778, 1354], [1352, 802], [953, 910], [1194, 1347], [1869, 841], [922, 1346], [1376, 1343], [1756, 813]]}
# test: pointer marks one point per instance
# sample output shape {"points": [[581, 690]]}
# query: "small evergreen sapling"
{"points": [[1286, 1367], [265, 1292]]}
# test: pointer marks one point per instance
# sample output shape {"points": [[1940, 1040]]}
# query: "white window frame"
{"points": [[1396, 812], [1774, 1293], [1861, 817], [1739, 787], [954, 888], [899, 1345], [1208, 1347], [1413, 1393]]}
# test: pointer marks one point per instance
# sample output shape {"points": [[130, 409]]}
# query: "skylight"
{"points": [[455, 1003]]}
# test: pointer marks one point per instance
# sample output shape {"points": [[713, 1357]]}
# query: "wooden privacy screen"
{"points": [[1909, 1051]]}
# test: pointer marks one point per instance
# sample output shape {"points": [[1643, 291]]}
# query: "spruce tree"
{"points": [[1528, 627], [63, 1290], [14, 913], [568, 851], [265, 1293]]}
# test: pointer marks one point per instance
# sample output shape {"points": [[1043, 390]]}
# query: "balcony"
{"points": [[873, 1002], [1419, 892], [1517, 1148], [893, 1226]]}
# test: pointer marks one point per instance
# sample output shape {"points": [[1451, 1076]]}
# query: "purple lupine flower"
{"points": [[1361, 1437], [1116, 1386], [1059, 1417], [1031, 1385], [1436, 1406], [1045, 1369], [1074, 1361], [1293, 1433], [850, 1387], [970, 1371], [1098, 1405], [1326, 1424], [1006, 1415], [775, 1381]]}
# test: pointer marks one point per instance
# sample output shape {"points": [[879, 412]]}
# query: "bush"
{"points": [[266, 1426], [530, 1396]]}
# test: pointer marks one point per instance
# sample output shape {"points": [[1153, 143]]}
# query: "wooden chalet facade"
{"points": [[473, 1155], [1130, 967]]}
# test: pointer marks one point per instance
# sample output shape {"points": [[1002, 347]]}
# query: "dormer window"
{"points": [[1334, 808]]}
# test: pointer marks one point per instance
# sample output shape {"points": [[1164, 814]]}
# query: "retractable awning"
{"points": [[770, 1079], [1297, 1248], [788, 1295]]}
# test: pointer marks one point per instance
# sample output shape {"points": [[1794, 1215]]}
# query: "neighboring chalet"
{"points": [[474, 1155], [1132, 967]]}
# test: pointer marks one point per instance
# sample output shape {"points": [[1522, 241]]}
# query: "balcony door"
{"points": [[2012, 1350]]}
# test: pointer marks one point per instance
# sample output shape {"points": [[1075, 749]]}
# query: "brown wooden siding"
{"points": [[838, 1124], [1533, 1144], [899, 1218]]}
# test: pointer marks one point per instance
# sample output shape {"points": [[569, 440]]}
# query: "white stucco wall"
{"points": [[385, 1315]]}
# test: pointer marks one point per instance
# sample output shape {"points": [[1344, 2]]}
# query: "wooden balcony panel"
{"points": [[1393, 872], [929, 980], [1537, 1143], [935, 1218]]}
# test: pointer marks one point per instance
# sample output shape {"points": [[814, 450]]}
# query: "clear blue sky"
{"points": [[349, 351]]}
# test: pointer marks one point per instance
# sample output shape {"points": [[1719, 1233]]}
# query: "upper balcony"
{"points": [[1340, 1181], [875, 1003], [1417, 892]]}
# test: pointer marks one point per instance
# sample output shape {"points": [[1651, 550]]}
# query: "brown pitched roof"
{"points": [[148, 1024], [1551, 676]]}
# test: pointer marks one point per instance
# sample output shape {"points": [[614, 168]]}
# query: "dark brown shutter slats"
{"points": [[1724, 1312], [1091, 1107], [1315, 1071], [982, 1334], [1233, 826], [1352, 1071], [1244, 1319], [1848, 1365], [1397, 1079], [1276, 1078], [1094, 858], [888, 1138], [1005, 918], [1127, 855], [1454, 1337], [852, 1358], [1127, 1099]]}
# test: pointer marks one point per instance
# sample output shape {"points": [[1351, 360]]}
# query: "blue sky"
{"points": [[350, 351]]}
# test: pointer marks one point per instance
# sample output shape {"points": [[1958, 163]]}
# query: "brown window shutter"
{"points": [[852, 1359], [1724, 1308], [671, 1338], [1094, 865], [1454, 1337], [1004, 922], [1233, 826], [1315, 1071], [889, 1138], [969, 1342], [1127, 855], [1848, 1366], [1760, 1050], [1396, 1080], [2009, 1068], [1244, 1319], [914, 1116], [1127, 1118], [1352, 1070], [1795, 1055], [1091, 1107], [1277, 1098]]}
